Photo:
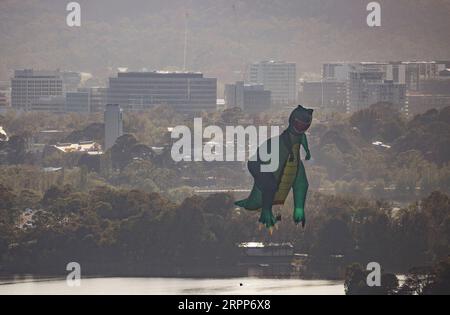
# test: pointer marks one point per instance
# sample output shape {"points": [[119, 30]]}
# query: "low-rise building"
{"points": [[89, 147], [49, 136], [324, 94], [49, 104], [266, 259], [78, 102]]}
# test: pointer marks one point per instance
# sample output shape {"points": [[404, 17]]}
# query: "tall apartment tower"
{"points": [[113, 124], [278, 77]]}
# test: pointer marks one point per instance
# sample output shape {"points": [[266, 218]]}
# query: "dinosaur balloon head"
{"points": [[300, 120]]}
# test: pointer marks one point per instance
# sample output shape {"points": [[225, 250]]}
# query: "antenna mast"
{"points": [[185, 40]]}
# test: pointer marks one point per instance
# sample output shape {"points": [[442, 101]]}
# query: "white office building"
{"points": [[278, 77]]}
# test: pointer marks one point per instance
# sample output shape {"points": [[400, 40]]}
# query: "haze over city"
{"points": [[134, 154], [222, 35]]}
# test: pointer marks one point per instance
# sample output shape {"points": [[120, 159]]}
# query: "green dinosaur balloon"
{"points": [[272, 188]]}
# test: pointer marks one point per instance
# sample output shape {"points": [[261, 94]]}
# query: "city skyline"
{"points": [[344, 86]]}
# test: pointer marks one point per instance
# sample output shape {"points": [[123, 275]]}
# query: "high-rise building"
{"points": [[30, 85], [278, 77], [417, 71], [251, 98], [411, 73], [113, 124], [366, 83], [186, 92], [392, 71], [368, 87]]}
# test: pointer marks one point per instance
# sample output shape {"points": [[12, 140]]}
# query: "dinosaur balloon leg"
{"points": [[272, 188], [300, 190], [267, 185]]}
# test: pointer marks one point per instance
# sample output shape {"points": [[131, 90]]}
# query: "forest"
{"points": [[134, 211], [347, 158], [133, 233]]}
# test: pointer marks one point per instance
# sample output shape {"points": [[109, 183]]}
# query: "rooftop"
{"points": [[159, 74], [264, 245], [90, 147]]}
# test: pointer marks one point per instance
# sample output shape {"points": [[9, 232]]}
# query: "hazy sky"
{"points": [[223, 35]]}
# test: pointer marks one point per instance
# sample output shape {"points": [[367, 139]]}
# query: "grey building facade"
{"points": [[251, 98], [368, 86], [49, 104], [325, 94], [185, 92], [365, 83], [30, 85], [78, 102], [98, 97]]}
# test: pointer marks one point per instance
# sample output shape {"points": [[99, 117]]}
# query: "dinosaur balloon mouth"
{"points": [[300, 126]]}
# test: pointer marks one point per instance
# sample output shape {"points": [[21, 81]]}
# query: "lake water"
{"points": [[173, 286]]}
